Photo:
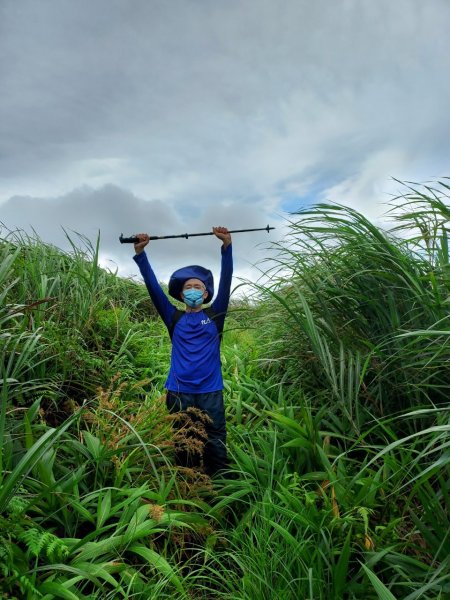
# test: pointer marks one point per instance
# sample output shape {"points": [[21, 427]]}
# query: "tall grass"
{"points": [[338, 429], [312, 510], [357, 319], [366, 311]]}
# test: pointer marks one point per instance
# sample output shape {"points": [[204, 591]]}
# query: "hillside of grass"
{"points": [[336, 387]]}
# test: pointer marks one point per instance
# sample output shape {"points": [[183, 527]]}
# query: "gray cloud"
{"points": [[110, 210], [207, 109]]}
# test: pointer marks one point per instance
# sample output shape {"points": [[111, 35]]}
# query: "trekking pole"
{"points": [[135, 240]]}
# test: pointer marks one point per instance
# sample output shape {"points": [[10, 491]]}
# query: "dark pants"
{"points": [[215, 451]]}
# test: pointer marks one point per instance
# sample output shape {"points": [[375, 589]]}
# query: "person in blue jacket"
{"points": [[195, 375]]}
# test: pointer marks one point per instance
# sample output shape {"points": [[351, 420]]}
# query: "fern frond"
{"points": [[38, 542]]}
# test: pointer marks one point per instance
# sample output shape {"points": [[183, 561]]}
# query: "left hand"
{"points": [[223, 234]]}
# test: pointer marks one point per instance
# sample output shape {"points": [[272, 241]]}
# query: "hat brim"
{"points": [[180, 276]]}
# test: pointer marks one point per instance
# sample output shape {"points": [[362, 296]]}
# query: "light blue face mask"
{"points": [[193, 298]]}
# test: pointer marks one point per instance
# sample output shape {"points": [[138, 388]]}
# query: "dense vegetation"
{"points": [[337, 376]]}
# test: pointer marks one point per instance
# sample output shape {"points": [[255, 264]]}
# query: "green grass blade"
{"points": [[161, 565], [30, 459], [382, 591]]}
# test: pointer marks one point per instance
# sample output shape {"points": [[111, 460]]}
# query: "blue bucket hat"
{"points": [[178, 279]]}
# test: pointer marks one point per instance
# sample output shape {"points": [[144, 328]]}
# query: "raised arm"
{"points": [[220, 304], [157, 295]]}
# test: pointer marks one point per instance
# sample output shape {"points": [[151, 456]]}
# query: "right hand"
{"points": [[143, 241]]}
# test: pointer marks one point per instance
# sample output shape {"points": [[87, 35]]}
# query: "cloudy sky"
{"points": [[175, 115]]}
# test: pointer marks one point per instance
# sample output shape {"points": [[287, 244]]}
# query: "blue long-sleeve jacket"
{"points": [[195, 365]]}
